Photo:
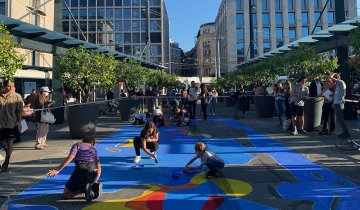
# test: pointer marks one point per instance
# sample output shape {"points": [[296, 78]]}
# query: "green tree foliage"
{"points": [[163, 79], [132, 74], [11, 60], [85, 70], [355, 44]]}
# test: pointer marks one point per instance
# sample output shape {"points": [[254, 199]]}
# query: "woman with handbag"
{"points": [[41, 102]]}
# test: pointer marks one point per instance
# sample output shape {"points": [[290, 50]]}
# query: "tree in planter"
{"points": [[10, 59], [85, 70], [163, 79], [131, 73]]}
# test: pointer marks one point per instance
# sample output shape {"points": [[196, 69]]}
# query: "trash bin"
{"points": [[58, 114], [264, 106], [312, 113], [220, 99], [247, 103]]}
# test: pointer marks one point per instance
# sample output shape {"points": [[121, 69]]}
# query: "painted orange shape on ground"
{"points": [[213, 202]]}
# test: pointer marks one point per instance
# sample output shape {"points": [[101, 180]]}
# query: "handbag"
{"points": [[47, 116]]}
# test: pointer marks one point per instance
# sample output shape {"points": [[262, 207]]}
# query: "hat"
{"points": [[44, 89]]}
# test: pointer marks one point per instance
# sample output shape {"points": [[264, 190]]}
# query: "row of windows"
{"points": [[110, 3], [291, 4], [291, 18], [117, 38], [266, 47], [207, 43], [278, 31], [109, 13], [118, 25]]}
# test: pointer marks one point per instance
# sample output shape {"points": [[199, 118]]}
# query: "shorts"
{"points": [[6, 133], [296, 110], [85, 172]]}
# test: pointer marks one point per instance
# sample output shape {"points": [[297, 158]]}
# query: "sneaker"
{"points": [[344, 135], [137, 159], [303, 131], [40, 147], [294, 133], [213, 175], [89, 194], [45, 145], [97, 189], [150, 156], [324, 132]]}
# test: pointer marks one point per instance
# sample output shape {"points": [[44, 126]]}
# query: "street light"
{"points": [[251, 7]]}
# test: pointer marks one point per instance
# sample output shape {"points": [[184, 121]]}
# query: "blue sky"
{"points": [[186, 16]]}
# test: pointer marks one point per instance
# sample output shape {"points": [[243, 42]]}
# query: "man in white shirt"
{"points": [[141, 118], [192, 100]]}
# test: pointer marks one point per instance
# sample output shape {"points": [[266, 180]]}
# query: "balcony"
{"points": [[31, 4]]}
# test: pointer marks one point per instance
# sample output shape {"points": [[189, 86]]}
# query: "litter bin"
{"points": [[312, 113]]}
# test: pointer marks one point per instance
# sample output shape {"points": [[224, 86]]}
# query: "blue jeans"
{"points": [[280, 109], [358, 116], [214, 165], [212, 106]]}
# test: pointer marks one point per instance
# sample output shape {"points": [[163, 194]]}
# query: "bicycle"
{"points": [[348, 144], [4, 158]]}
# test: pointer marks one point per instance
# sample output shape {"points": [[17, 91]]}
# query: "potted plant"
{"points": [[132, 74], [86, 71], [11, 59]]}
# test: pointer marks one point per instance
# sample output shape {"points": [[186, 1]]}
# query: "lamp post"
{"points": [[148, 30], [218, 38], [251, 30]]}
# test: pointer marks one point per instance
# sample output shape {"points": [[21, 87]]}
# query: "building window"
{"points": [[135, 3], [279, 33], [291, 17], [265, 18], [278, 4], [239, 19], [118, 25], [136, 13], [92, 14], [118, 38], [100, 3], [240, 34], [240, 48], [206, 44], [118, 13], [127, 25], [254, 19], [317, 29], [305, 31], [65, 12], [100, 13], [329, 5], [316, 4], [127, 13], [238, 4], [278, 18], [331, 17], [279, 44], [266, 33], [316, 17], [290, 4], [127, 38], [117, 3], [304, 18], [206, 31], [92, 3], [206, 52], [74, 3], [83, 3], [264, 4], [110, 14], [292, 33], [266, 47], [136, 25], [136, 37], [303, 4], [127, 3]]}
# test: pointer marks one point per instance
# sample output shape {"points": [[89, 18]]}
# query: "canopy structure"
{"points": [[33, 37], [324, 40]]}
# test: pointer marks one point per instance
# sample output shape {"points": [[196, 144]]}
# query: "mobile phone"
{"points": [[4, 200]]}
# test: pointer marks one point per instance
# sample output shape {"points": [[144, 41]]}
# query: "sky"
{"points": [[186, 17]]}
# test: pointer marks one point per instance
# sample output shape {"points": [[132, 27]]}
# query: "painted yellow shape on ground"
{"points": [[198, 134], [120, 204], [128, 143], [231, 187]]}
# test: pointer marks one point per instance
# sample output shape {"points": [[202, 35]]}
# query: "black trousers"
{"points": [[204, 110], [152, 146], [159, 119], [192, 109], [85, 172], [327, 110]]}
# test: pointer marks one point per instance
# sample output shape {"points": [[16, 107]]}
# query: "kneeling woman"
{"points": [[87, 171], [148, 141]]}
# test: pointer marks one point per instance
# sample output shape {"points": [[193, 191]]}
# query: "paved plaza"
{"points": [[266, 168]]}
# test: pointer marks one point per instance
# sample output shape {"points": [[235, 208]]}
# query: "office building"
{"points": [[275, 23], [120, 25], [175, 58]]}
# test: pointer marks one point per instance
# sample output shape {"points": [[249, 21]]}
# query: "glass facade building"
{"points": [[275, 23], [120, 25]]}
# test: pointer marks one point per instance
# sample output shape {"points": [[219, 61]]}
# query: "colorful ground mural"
{"points": [[315, 183]]}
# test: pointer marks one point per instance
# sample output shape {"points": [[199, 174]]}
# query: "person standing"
{"points": [[192, 100], [315, 88], [213, 98], [298, 95], [204, 100], [279, 96], [339, 103], [11, 109], [328, 108], [41, 102]]}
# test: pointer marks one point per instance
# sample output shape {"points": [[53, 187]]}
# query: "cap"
{"points": [[44, 89]]}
